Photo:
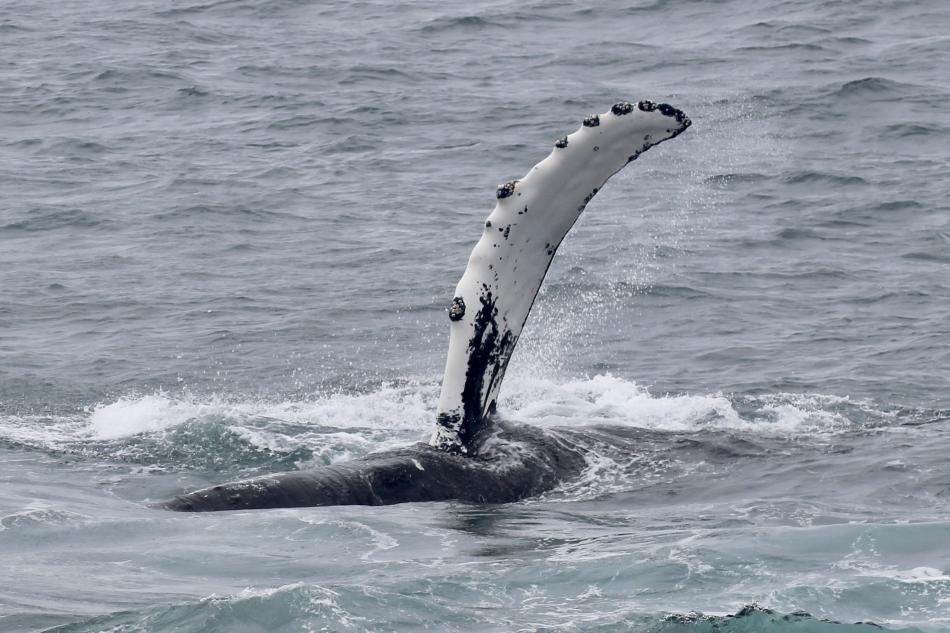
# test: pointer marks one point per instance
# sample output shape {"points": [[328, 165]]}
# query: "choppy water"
{"points": [[229, 231]]}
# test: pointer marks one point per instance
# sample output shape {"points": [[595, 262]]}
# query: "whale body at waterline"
{"points": [[472, 454]]}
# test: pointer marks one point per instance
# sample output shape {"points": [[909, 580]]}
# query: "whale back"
{"points": [[509, 262]]}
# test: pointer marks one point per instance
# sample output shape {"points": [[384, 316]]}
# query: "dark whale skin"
{"points": [[516, 462]]}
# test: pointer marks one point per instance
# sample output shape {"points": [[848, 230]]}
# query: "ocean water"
{"points": [[229, 231]]}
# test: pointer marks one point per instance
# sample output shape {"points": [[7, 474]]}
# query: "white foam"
{"points": [[40, 512], [50, 431], [921, 574], [607, 399], [389, 408], [250, 593], [394, 415], [131, 416]]}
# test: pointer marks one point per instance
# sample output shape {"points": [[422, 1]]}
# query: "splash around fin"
{"points": [[508, 264]]}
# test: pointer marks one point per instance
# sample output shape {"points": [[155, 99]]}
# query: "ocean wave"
{"points": [[283, 608], [724, 180], [809, 177], [755, 618], [198, 8], [230, 435], [465, 22], [913, 130], [300, 606], [51, 219], [873, 87], [39, 513], [940, 257]]}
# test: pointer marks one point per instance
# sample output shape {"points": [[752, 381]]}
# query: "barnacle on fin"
{"points": [[457, 309], [624, 107], [505, 190]]}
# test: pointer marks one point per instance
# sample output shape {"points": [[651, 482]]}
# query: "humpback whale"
{"points": [[473, 455]]}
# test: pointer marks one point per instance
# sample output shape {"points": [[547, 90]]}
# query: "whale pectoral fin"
{"points": [[509, 262]]}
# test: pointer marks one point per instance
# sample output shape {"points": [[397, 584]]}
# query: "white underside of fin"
{"points": [[520, 238]]}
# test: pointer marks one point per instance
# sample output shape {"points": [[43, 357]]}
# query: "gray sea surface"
{"points": [[229, 232]]}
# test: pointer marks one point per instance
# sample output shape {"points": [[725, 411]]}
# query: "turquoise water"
{"points": [[229, 232]]}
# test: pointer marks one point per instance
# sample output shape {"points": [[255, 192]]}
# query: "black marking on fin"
{"points": [[488, 354]]}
